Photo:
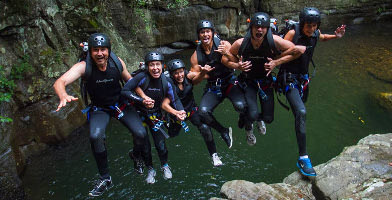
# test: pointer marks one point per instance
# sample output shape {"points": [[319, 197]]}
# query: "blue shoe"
{"points": [[305, 166]]}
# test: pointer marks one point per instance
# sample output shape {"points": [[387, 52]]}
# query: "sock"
{"points": [[303, 157]]}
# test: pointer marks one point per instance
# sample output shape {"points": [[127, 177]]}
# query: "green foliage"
{"points": [[93, 23], [381, 10], [5, 119], [176, 4], [7, 83]]}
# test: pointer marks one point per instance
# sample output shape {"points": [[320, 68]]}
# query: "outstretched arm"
{"points": [[339, 32], [68, 77]]}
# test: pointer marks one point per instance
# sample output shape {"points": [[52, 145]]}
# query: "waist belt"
{"points": [[118, 110], [216, 85]]}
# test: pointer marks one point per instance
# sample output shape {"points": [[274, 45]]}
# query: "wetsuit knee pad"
{"points": [[205, 132], [301, 112], [205, 113], [239, 106], [140, 134], [97, 140]]}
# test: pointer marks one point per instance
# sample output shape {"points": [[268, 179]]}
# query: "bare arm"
{"points": [[125, 74], [339, 32], [200, 72], [234, 62], [68, 77], [288, 54], [224, 49], [181, 115]]}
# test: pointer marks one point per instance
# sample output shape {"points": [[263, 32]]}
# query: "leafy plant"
{"points": [[7, 83], [176, 4]]}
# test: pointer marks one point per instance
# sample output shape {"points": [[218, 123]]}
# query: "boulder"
{"points": [[385, 100], [241, 189], [360, 171]]}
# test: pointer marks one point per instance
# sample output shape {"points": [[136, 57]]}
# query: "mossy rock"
{"points": [[385, 100]]}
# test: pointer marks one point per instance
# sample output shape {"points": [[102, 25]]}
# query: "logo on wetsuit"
{"points": [[104, 81]]}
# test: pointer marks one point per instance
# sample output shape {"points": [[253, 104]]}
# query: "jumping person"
{"points": [[206, 62], [155, 87], [103, 71], [253, 55], [293, 76], [184, 87]]}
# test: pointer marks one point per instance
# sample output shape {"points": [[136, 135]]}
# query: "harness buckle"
{"points": [[218, 82]]}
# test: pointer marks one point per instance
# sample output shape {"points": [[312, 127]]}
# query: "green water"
{"points": [[341, 96]]}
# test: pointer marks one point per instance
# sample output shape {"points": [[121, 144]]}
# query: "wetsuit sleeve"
{"points": [[172, 95], [128, 89]]}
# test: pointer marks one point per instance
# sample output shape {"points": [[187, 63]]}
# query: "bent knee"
{"points": [[240, 106], [204, 111], [301, 112]]}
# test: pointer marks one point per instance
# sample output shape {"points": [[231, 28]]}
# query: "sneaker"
{"points": [[228, 138], [101, 186], [250, 138], [138, 163], [151, 176], [305, 166], [261, 127], [216, 160], [167, 174]]}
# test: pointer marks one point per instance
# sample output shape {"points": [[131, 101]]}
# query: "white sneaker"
{"points": [[250, 137], [216, 160], [167, 174], [261, 127], [151, 176]]}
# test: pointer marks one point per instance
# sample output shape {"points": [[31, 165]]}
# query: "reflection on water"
{"points": [[340, 111]]}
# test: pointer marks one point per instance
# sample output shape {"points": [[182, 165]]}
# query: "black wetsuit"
{"points": [[255, 83], [188, 101], [292, 77], [220, 85], [104, 90], [154, 89]]}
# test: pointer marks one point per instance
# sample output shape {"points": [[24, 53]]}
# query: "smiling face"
{"points": [[100, 56], [178, 75], [258, 32], [205, 35], [309, 28], [155, 68]]}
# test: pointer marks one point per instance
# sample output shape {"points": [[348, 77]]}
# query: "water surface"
{"points": [[341, 110]]}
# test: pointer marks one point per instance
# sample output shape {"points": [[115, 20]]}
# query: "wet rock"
{"points": [[358, 20], [360, 171], [240, 189], [180, 45], [350, 173], [167, 50], [385, 100]]}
